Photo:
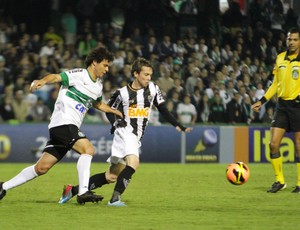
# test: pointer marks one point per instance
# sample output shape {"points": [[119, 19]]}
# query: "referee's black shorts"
{"points": [[287, 115], [62, 139]]}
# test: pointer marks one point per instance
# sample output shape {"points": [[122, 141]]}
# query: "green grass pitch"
{"points": [[160, 196]]}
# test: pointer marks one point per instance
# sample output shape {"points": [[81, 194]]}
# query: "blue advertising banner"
{"points": [[25, 143], [161, 144], [203, 145], [259, 138]]}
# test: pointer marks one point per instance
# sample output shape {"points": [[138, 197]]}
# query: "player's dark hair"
{"points": [[99, 54], [138, 64], [294, 30]]}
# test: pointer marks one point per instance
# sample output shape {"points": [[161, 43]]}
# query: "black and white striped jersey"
{"points": [[136, 105]]}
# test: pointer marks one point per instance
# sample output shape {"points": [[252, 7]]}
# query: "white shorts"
{"points": [[124, 143]]}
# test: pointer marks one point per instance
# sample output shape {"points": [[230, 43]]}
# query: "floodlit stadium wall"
{"points": [[205, 144]]}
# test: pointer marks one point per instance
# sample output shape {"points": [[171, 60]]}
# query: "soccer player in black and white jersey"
{"points": [[80, 90], [135, 102]]}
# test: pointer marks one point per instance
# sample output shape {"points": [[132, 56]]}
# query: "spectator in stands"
{"points": [[40, 111], [47, 49], [86, 45], [234, 110], [52, 35], [192, 80], [5, 76], [268, 116], [247, 115], [217, 110], [203, 109], [35, 43], [171, 109], [166, 47], [233, 18], [69, 27], [20, 106], [225, 96], [151, 47], [6, 108], [177, 87], [197, 94], [165, 82], [186, 111], [115, 44], [210, 90], [29, 97], [260, 92]]}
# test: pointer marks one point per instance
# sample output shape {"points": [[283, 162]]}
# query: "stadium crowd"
{"points": [[205, 79]]}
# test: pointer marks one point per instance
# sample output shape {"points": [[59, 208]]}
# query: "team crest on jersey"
{"points": [[295, 72], [131, 102], [150, 98], [89, 103]]}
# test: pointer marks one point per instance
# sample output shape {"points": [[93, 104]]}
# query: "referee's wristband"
{"points": [[263, 100]]}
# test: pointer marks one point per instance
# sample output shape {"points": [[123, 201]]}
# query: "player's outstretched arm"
{"points": [[171, 119], [49, 79], [107, 109]]}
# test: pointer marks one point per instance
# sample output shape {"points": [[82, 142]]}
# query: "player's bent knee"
{"points": [[111, 178], [41, 170], [90, 151]]}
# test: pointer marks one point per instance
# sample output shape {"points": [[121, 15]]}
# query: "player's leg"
{"points": [[276, 159], [124, 179], [96, 181], [29, 173], [297, 159], [86, 150]]}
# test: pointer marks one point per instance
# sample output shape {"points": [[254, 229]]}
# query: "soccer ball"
{"points": [[237, 173]]}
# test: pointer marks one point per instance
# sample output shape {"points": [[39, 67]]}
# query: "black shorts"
{"points": [[62, 139], [287, 115]]}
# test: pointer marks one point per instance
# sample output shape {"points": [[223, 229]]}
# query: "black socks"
{"points": [[122, 182], [96, 181]]}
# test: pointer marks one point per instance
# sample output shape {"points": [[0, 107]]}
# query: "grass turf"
{"points": [[160, 196]]}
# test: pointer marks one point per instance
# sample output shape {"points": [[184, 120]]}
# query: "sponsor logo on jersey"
{"points": [[134, 112], [81, 108], [75, 71], [150, 98]]}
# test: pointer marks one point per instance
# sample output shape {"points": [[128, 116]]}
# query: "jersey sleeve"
{"points": [[159, 98], [273, 87], [64, 78], [72, 76], [115, 101]]}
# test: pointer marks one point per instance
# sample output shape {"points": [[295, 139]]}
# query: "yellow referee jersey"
{"points": [[286, 82]]}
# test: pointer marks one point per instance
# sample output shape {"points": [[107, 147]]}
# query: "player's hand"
{"points": [[36, 84], [256, 106], [119, 123], [118, 113], [186, 129]]}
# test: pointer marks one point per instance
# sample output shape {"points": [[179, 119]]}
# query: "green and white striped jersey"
{"points": [[77, 94]]}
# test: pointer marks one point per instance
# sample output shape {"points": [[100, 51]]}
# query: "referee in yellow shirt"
{"points": [[286, 85]]}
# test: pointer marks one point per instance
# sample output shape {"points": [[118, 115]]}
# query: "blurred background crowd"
{"points": [[210, 64]]}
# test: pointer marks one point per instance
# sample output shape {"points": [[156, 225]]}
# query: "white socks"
{"points": [[25, 175], [83, 169]]}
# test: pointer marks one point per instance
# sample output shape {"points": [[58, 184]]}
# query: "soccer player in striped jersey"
{"points": [[135, 102], [80, 90]]}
